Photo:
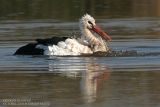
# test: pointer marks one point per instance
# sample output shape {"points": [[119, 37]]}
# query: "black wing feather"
{"points": [[51, 41], [30, 49]]}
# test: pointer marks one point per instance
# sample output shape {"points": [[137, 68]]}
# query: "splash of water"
{"points": [[125, 53], [112, 53]]}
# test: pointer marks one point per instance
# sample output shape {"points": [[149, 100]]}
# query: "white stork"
{"points": [[92, 39]]}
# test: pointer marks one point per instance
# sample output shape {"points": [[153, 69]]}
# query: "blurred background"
{"points": [[73, 9], [26, 20]]}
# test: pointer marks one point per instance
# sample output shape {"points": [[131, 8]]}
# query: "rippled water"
{"points": [[128, 77]]}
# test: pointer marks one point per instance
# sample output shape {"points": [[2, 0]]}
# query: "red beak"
{"points": [[100, 32]]}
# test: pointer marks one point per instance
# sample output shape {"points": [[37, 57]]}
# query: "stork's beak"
{"points": [[100, 32]]}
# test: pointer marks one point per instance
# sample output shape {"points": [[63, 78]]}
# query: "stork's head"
{"points": [[87, 22]]}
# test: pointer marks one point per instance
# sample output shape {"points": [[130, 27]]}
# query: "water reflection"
{"points": [[92, 76], [83, 82], [91, 81]]}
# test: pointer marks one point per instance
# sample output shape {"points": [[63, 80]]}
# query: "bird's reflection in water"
{"points": [[91, 80], [91, 76]]}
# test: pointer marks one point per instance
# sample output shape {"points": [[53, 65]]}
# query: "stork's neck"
{"points": [[87, 35], [97, 42]]}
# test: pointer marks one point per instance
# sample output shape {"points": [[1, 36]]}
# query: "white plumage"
{"points": [[67, 47]]}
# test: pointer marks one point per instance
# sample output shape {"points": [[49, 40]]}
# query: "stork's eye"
{"points": [[90, 22]]}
